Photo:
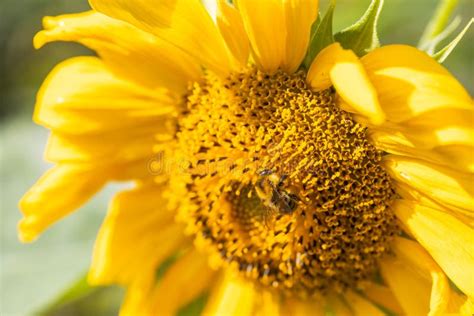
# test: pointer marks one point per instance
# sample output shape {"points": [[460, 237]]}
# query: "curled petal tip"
{"points": [[39, 40], [25, 233]]}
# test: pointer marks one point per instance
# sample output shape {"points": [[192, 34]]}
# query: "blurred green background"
{"points": [[34, 275]]}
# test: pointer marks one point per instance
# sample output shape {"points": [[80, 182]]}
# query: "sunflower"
{"points": [[341, 188]]}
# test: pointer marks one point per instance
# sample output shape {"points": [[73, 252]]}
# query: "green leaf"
{"points": [[321, 35], [362, 36], [77, 290], [442, 54], [83, 299], [438, 22]]}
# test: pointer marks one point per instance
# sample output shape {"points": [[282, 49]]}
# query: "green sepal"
{"points": [[195, 307], [438, 30], [431, 46], [362, 37], [321, 35], [437, 23], [443, 53]]}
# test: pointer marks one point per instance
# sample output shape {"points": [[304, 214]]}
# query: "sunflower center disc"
{"points": [[281, 184]]}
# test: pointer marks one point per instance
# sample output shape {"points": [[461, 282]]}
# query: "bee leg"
{"points": [[282, 180], [265, 172], [260, 190]]}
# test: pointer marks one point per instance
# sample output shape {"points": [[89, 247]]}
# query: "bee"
{"points": [[276, 196]]}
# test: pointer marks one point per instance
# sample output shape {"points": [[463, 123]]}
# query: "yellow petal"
{"points": [[437, 128], [443, 135], [136, 236], [360, 306], [451, 188], [232, 29], [81, 96], [442, 127], [349, 78], [233, 296], [61, 190], [460, 305], [307, 307], [335, 305], [408, 193], [416, 280], [318, 76], [459, 157], [278, 31], [383, 296], [264, 22], [409, 82], [183, 282], [412, 290], [142, 296], [299, 16], [127, 50], [137, 299], [269, 304], [183, 23], [139, 170], [137, 143], [449, 241]]}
